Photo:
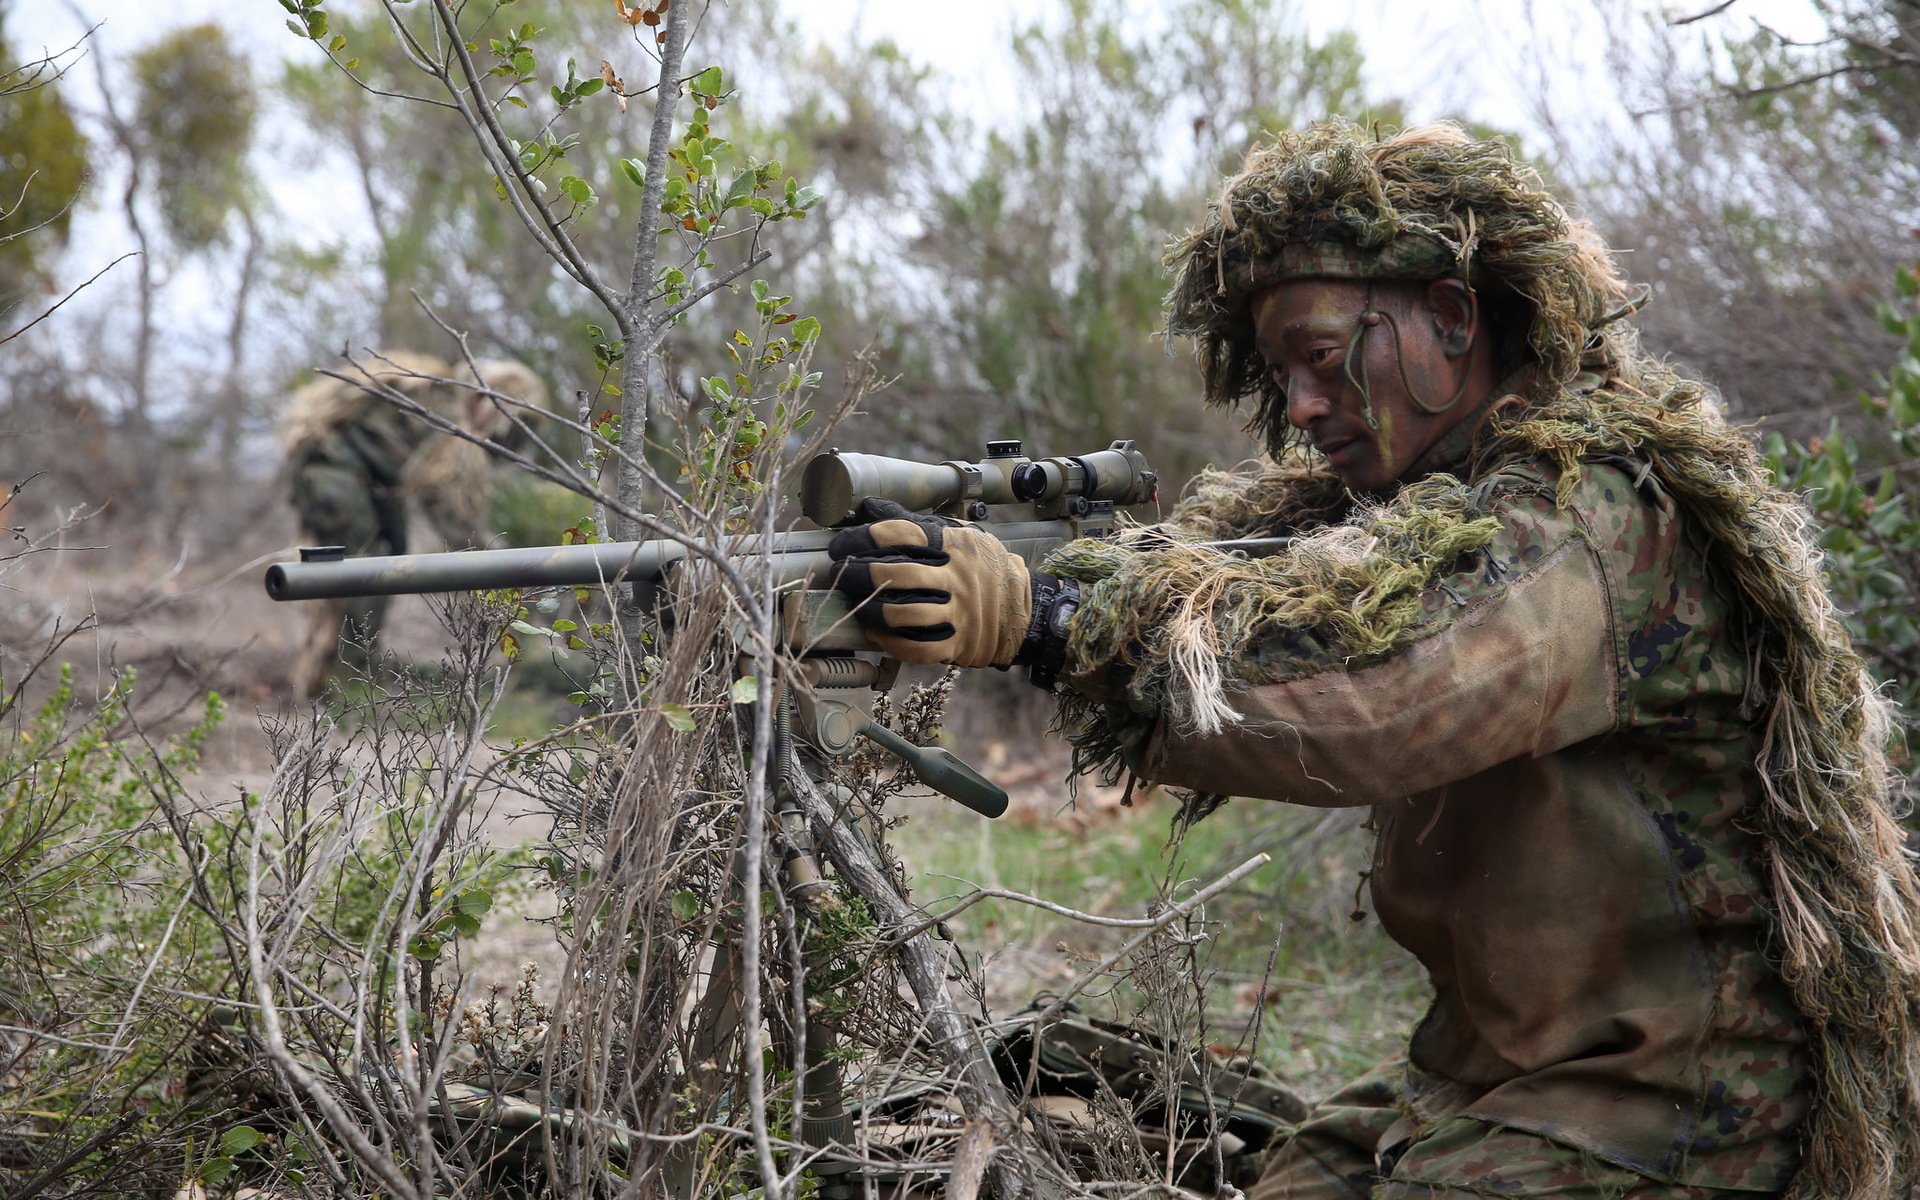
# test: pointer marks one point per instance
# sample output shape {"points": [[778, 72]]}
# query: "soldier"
{"points": [[358, 463], [1546, 614]]}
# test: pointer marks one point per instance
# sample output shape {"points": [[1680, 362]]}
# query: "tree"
{"points": [[194, 120], [43, 165]]}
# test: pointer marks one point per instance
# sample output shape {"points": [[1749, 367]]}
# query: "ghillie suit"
{"points": [[357, 464], [1175, 642]]}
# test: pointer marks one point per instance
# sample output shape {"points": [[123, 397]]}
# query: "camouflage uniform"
{"points": [[346, 489], [1627, 772], [355, 466], [1558, 844]]}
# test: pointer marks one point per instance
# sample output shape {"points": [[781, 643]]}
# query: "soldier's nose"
{"points": [[1304, 408]]}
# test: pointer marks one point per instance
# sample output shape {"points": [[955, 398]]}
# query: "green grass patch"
{"points": [[1334, 996]]}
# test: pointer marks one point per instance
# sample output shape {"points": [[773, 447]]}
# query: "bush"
{"points": [[102, 941], [1860, 489]]}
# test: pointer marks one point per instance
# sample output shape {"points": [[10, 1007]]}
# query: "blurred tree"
{"points": [[43, 165], [1005, 266], [1767, 208], [195, 110], [195, 115]]}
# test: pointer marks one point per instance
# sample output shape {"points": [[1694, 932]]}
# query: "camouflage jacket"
{"points": [[1558, 761], [347, 485]]}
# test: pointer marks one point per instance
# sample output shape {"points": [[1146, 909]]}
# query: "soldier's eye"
{"points": [[1323, 356]]}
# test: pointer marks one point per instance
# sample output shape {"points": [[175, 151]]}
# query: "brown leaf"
{"points": [[631, 16], [614, 83]]}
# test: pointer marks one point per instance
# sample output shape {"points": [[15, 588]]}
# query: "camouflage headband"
{"points": [[1411, 256]]}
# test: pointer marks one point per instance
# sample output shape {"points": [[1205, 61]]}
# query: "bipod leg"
{"points": [[824, 1120]]}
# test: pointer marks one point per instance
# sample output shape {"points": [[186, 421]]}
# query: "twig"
{"points": [[70, 295], [1086, 918], [1716, 10], [1172, 914]]}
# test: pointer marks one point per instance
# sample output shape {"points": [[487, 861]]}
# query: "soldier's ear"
{"points": [[1456, 315]]}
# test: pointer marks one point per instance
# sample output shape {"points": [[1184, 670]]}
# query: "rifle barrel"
{"points": [[796, 557], [534, 566]]}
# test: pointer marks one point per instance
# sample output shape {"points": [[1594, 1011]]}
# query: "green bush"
{"points": [[1860, 487], [101, 941], [524, 511]]}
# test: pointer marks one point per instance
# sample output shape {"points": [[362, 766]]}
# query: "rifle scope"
{"points": [[835, 481]]}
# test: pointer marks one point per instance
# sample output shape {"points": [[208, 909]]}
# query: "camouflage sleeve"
{"points": [[1502, 649]]}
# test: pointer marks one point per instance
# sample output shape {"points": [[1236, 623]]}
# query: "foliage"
{"points": [[196, 108], [103, 941], [1860, 486], [43, 165]]}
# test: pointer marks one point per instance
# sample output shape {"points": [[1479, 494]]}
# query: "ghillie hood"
{"points": [[1844, 895], [321, 408], [1426, 203]]}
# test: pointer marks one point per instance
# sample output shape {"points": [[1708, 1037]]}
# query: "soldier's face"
{"points": [[1304, 330]]}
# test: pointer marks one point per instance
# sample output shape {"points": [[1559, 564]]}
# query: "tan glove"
{"points": [[930, 590]]}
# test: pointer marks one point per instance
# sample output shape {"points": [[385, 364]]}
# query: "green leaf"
{"points": [[678, 716], [634, 170], [746, 690], [741, 187], [806, 329], [240, 1139], [709, 82], [214, 1170], [1907, 282], [759, 290], [338, 43], [686, 905], [806, 198], [588, 87], [562, 625]]}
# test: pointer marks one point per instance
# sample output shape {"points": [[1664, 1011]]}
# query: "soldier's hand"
{"points": [[930, 590]]}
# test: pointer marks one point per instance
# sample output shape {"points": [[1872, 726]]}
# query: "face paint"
{"points": [[1358, 378]]}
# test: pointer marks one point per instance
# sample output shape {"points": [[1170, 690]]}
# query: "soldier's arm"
{"points": [[1517, 655]]}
